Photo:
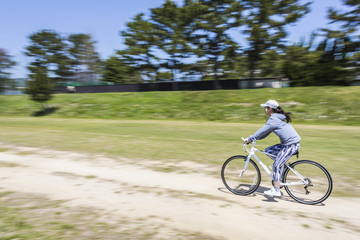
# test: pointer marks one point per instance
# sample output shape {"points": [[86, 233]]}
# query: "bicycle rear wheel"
{"points": [[319, 183], [245, 184]]}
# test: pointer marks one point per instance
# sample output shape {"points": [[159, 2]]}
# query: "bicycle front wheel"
{"points": [[237, 181], [315, 188]]}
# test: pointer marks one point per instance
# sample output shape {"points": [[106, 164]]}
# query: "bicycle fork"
{"points": [[245, 166]]}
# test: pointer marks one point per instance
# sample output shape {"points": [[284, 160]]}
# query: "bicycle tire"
{"points": [[240, 185], [320, 183]]}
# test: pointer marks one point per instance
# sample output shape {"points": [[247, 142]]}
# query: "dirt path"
{"points": [[190, 202]]}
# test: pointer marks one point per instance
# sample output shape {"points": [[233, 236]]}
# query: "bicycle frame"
{"points": [[251, 153]]}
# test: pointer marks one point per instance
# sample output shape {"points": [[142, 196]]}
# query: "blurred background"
{"points": [[299, 43], [120, 85]]}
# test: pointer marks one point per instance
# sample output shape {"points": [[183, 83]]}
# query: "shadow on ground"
{"points": [[45, 111]]}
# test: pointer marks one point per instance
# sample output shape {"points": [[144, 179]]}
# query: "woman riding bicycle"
{"points": [[279, 123]]}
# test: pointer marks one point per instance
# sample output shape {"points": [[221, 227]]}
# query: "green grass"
{"points": [[313, 105], [170, 142], [199, 126]]}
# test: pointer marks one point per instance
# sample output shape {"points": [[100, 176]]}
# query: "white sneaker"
{"points": [[273, 193]]}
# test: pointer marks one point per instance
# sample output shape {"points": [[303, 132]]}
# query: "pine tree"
{"points": [[85, 59], [211, 27], [340, 59], [50, 51], [172, 28], [116, 71], [300, 64], [5, 64], [141, 42], [39, 87], [265, 22], [350, 19], [49, 65]]}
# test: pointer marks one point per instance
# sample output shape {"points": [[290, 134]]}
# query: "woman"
{"points": [[279, 123]]}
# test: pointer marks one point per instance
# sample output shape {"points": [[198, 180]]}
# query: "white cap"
{"points": [[271, 103]]}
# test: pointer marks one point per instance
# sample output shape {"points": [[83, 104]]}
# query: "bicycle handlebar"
{"points": [[245, 141], [245, 145]]}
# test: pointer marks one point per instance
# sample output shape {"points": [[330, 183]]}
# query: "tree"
{"points": [[85, 60], [300, 64], [5, 64], [48, 50], [49, 64], [271, 64], [341, 45], [236, 67], [141, 42], [265, 21], [39, 87], [333, 65], [116, 71], [351, 19], [211, 35], [164, 76], [173, 28], [335, 59]]}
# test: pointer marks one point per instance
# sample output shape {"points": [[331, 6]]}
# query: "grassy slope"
{"points": [[237, 114], [314, 105]]}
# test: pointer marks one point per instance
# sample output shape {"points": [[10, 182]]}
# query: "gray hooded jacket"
{"points": [[277, 124]]}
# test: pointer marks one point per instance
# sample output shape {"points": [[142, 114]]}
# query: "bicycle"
{"points": [[306, 181]]}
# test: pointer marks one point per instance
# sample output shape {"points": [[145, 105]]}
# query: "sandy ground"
{"points": [[189, 202]]}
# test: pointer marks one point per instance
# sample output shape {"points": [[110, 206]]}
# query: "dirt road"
{"points": [[188, 201]]}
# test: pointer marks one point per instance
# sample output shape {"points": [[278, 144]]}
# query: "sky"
{"points": [[103, 20]]}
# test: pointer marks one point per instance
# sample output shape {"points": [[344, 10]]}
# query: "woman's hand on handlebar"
{"points": [[246, 140]]}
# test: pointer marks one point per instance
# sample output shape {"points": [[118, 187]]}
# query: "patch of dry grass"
{"points": [[26, 216]]}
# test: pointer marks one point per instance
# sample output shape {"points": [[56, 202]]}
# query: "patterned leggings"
{"points": [[283, 154]]}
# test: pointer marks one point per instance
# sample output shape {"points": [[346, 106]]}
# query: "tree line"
{"points": [[194, 40]]}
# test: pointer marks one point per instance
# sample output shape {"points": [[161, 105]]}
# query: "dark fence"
{"points": [[179, 86]]}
